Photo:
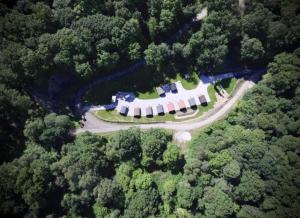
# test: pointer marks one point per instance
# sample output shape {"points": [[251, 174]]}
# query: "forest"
{"points": [[244, 166]]}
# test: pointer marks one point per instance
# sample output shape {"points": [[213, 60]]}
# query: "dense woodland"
{"points": [[245, 166]]}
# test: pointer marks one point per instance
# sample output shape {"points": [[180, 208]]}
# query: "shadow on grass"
{"points": [[226, 83]]}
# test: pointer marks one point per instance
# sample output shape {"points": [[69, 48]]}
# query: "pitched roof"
{"points": [[202, 99], [192, 102], [124, 110], [160, 90], [137, 111], [171, 107], [149, 111], [160, 109], [181, 104], [173, 87]]}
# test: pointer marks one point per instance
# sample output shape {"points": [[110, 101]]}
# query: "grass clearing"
{"points": [[114, 116], [142, 83], [189, 84], [229, 84]]}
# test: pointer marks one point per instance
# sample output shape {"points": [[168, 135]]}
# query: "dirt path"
{"points": [[95, 125]]}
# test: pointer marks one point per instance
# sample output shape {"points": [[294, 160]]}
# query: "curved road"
{"points": [[95, 125], [77, 106]]}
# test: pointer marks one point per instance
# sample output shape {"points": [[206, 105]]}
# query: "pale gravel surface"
{"points": [[182, 136], [182, 94], [95, 125]]}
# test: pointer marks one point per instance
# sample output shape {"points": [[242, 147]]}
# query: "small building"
{"points": [[181, 105], [202, 100], [160, 91], [160, 109], [192, 102], [173, 87], [124, 110], [137, 112], [149, 112], [171, 107]]}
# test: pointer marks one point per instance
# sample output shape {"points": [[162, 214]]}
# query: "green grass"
{"points": [[202, 109], [212, 93], [114, 116], [229, 84], [140, 82], [192, 83], [148, 94]]}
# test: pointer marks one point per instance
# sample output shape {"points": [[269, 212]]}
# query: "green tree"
{"points": [[232, 170], [125, 145], [141, 180], [153, 27], [252, 50], [52, 131], [134, 51], [157, 55], [216, 203], [33, 181], [251, 187], [153, 145], [14, 110], [143, 203], [248, 211], [123, 175], [82, 163], [108, 193], [208, 46], [257, 21], [172, 157], [185, 195]]}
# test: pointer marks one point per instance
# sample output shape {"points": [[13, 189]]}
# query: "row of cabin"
{"points": [[172, 87], [160, 109]]}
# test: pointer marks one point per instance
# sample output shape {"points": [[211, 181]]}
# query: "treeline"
{"points": [[46, 171], [244, 166], [248, 165], [46, 41]]}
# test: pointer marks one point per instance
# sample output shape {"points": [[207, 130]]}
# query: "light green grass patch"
{"points": [[141, 83], [114, 116], [229, 84], [189, 84]]}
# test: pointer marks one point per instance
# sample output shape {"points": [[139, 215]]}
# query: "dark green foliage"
{"points": [[157, 55], [125, 145], [250, 188], [27, 183], [143, 203], [255, 149], [252, 50], [51, 131], [153, 145], [257, 21], [217, 203], [14, 110], [244, 166], [172, 158], [185, 195]]}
